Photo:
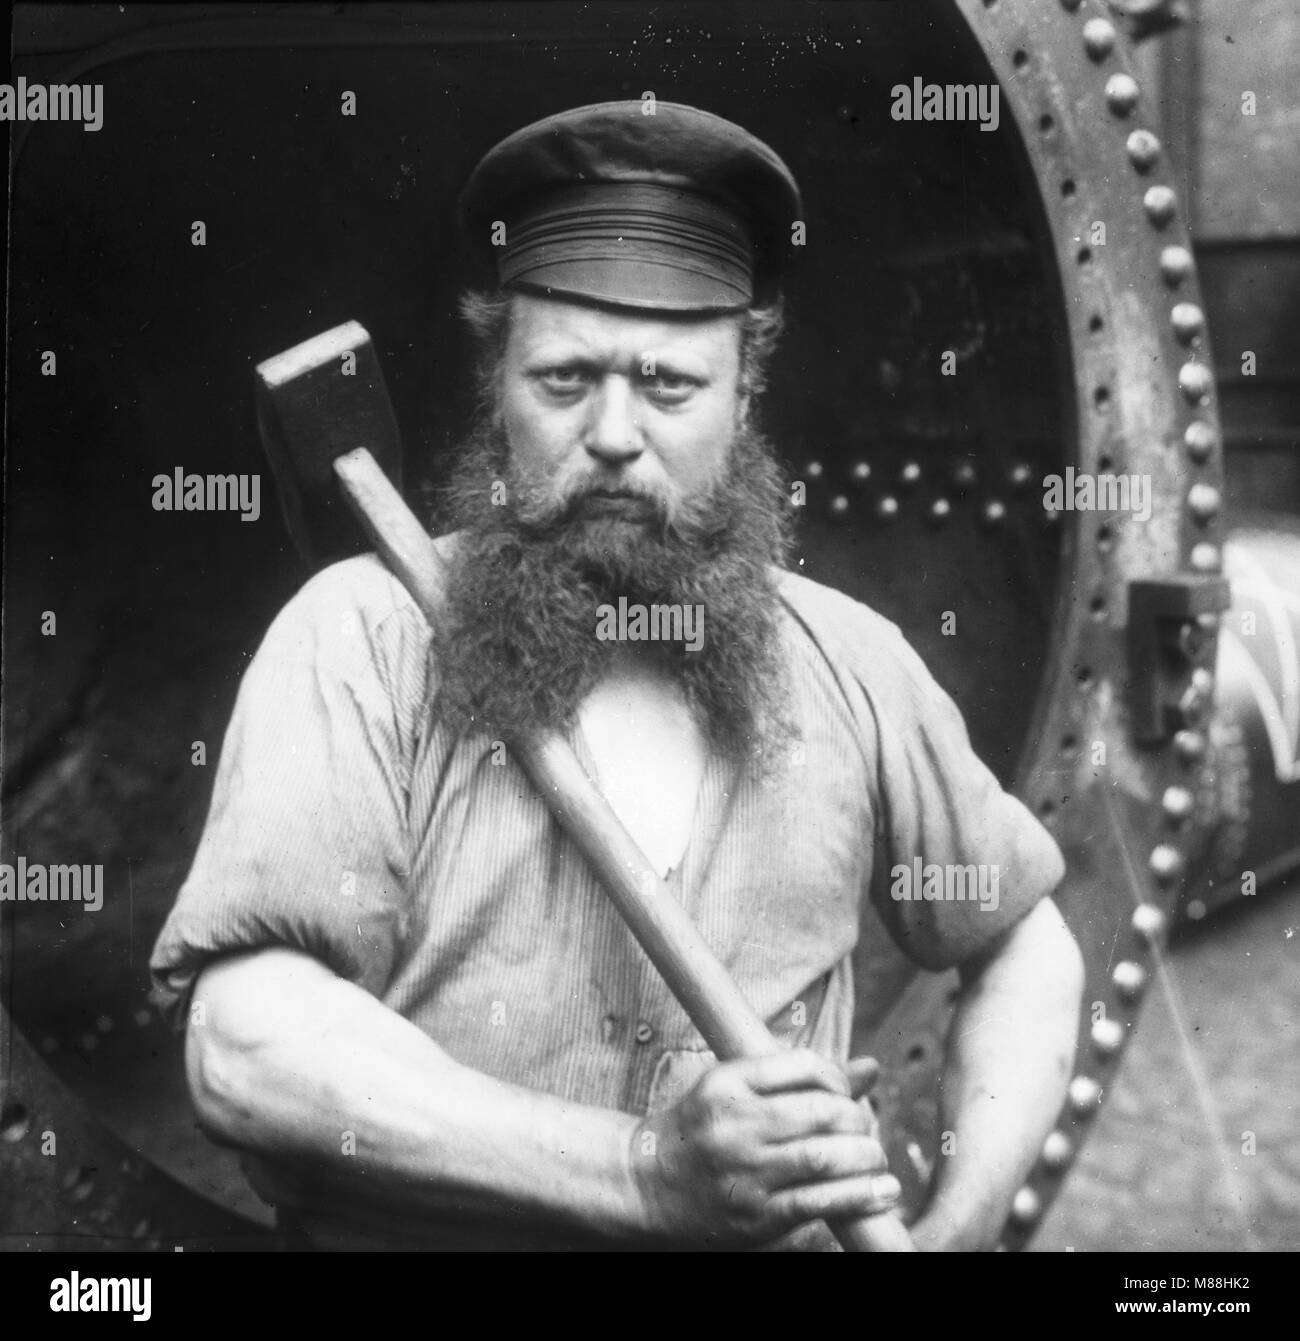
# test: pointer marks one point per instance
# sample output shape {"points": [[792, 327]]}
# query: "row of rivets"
{"points": [[1129, 978], [1187, 319], [938, 512], [962, 474]]}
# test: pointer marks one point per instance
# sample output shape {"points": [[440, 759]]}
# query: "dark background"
{"points": [[921, 238]]}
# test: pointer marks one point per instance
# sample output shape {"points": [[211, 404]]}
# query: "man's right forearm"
{"points": [[285, 1059]]}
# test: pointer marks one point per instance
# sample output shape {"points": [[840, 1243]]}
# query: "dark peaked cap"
{"points": [[679, 211]]}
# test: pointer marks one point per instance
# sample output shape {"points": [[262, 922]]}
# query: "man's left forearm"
{"points": [[1010, 1050]]}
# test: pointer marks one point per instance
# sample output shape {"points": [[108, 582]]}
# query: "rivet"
{"points": [[860, 475], [1058, 1150], [79, 1184], [964, 476], [1020, 477], [939, 511], [1026, 1206], [1070, 5], [891, 378], [1143, 150], [1205, 558], [814, 470], [910, 475], [1175, 265], [142, 1017], [88, 1042], [1098, 38], [1195, 381], [1199, 441], [1166, 863], [1121, 92], [993, 513], [104, 1024], [1195, 910], [1160, 204], [1149, 922], [1189, 746], [838, 508], [1193, 640], [1107, 1036], [1188, 321], [1203, 501], [1084, 1096], [887, 508], [1177, 803], [1130, 979], [15, 1122]]}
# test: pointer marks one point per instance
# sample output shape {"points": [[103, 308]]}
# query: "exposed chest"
{"points": [[650, 757]]}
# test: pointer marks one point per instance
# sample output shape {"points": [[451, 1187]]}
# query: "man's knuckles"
{"points": [[791, 1116], [828, 1157]]}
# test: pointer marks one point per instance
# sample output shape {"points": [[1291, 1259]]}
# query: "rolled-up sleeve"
{"points": [[944, 817], [304, 844]]}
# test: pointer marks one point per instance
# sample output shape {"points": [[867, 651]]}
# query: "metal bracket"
{"points": [[1172, 625]]}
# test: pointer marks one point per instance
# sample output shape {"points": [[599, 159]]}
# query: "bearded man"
{"points": [[408, 1001]]}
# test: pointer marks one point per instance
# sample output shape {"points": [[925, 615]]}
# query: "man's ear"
{"points": [[744, 407]]}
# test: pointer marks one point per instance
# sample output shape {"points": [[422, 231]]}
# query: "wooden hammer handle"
{"points": [[706, 991]]}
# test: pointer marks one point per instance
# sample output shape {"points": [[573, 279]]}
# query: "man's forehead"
{"points": [[536, 321]]}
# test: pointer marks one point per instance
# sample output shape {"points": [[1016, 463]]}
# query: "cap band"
{"points": [[633, 244]]}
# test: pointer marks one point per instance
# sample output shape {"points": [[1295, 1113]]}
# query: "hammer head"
{"points": [[316, 401]]}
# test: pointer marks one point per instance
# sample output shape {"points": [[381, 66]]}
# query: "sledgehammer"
{"points": [[317, 404]]}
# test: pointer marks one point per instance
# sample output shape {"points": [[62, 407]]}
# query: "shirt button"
{"points": [[644, 1033]]}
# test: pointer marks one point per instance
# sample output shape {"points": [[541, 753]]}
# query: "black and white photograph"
{"points": [[651, 628]]}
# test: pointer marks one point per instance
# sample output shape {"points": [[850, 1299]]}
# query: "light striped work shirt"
{"points": [[348, 823]]}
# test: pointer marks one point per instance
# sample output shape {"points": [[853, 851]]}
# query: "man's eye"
{"points": [[563, 380], [670, 386]]}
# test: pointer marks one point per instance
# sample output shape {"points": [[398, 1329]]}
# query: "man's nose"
{"points": [[614, 431]]}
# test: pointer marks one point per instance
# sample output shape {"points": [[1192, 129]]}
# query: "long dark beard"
{"points": [[527, 579]]}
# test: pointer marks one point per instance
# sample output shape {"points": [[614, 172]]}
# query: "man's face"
{"points": [[605, 411], [632, 471]]}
